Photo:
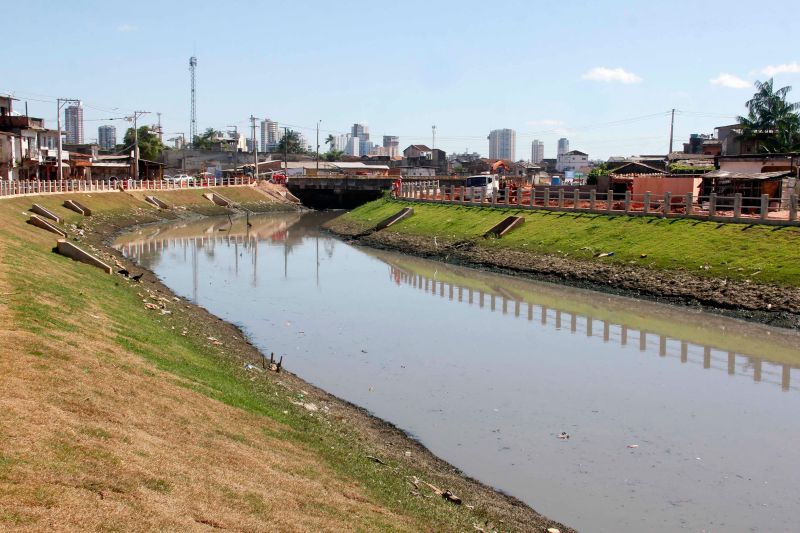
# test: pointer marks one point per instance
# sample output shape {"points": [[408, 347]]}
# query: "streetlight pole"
{"points": [[255, 147], [134, 118], [318, 123], [235, 148], [285, 153]]}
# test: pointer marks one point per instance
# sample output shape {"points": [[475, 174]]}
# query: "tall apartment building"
{"points": [[107, 137], [340, 142], [537, 151], [73, 123], [503, 144], [353, 146], [271, 135], [563, 146], [361, 131], [391, 144]]}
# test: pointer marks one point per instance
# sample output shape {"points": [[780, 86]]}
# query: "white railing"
{"points": [[735, 208], [31, 187]]}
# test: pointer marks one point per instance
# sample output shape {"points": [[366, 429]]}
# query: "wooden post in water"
{"points": [[706, 357], [684, 351], [731, 363]]}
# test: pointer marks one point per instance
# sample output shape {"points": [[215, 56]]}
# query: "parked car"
{"points": [[182, 180], [482, 182], [167, 177]]}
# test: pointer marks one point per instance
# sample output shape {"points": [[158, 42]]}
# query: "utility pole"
{"points": [[255, 147], [285, 153], [671, 129], [134, 118], [433, 129], [60, 102], [236, 147], [318, 123]]}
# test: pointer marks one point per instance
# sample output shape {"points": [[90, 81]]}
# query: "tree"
{"points": [[771, 121], [290, 143], [330, 140], [205, 140], [333, 155], [150, 146]]}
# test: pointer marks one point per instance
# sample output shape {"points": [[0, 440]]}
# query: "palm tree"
{"points": [[771, 121], [330, 140], [290, 142]]}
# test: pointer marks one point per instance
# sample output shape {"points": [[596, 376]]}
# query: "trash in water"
{"points": [[564, 435], [633, 445]]}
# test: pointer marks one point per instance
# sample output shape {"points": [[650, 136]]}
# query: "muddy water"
{"points": [[677, 419]]}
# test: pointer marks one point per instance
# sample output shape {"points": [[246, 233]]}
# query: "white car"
{"points": [[480, 183], [182, 179]]}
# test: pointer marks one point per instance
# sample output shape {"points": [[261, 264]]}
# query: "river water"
{"points": [[677, 419]]}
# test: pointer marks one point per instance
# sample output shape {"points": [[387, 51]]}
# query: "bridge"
{"points": [[338, 191]]}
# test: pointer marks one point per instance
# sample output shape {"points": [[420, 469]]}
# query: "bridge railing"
{"points": [[736, 208]]}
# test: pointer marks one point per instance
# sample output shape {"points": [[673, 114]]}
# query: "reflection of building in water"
{"points": [[707, 357]]}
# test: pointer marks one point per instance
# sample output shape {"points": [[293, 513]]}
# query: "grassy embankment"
{"points": [[115, 417], [767, 254]]}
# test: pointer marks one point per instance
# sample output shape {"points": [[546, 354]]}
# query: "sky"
{"points": [[603, 74]]}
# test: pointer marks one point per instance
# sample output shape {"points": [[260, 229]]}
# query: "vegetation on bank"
{"points": [[120, 417], [768, 254]]}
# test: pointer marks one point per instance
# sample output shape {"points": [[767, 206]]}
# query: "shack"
{"points": [[779, 186]]}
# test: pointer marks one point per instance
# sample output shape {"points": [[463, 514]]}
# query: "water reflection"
{"points": [[515, 299], [487, 369]]}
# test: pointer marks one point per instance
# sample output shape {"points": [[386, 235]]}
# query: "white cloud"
{"points": [[730, 81], [785, 68], [611, 75], [126, 28]]}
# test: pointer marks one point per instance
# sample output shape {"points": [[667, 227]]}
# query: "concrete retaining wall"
{"points": [[39, 222], [39, 210]]}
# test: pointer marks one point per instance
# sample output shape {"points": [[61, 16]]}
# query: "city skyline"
{"points": [[610, 99]]}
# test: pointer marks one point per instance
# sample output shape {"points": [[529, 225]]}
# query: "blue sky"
{"points": [[545, 69]]}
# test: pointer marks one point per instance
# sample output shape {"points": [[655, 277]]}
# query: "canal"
{"points": [[677, 419]]}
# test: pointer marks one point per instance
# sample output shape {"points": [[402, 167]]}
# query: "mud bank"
{"points": [[746, 299]]}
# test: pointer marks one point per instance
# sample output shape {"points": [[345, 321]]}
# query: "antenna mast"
{"points": [[193, 120]]}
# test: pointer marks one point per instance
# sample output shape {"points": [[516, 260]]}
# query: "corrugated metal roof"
{"points": [[359, 166], [745, 175]]}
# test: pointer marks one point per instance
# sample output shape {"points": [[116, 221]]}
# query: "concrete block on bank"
{"points": [[397, 217], [46, 213], [78, 208], [156, 202], [40, 222], [217, 199], [506, 225], [68, 249]]}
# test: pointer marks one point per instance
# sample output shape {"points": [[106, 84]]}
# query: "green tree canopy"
{"points": [[290, 142], [771, 121], [150, 146], [333, 155], [205, 140]]}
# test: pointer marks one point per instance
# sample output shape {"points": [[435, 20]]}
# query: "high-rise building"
{"points": [[340, 142], [537, 151], [503, 144], [353, 146], [563, 146], [73, 123], [361, 131], [392, 145], [107, 137], [271, 135]]}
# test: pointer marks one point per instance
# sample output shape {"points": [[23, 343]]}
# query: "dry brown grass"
{"points": [[93, 437]]}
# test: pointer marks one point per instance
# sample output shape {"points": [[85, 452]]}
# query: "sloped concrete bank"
{"points": [[769, 304]]}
